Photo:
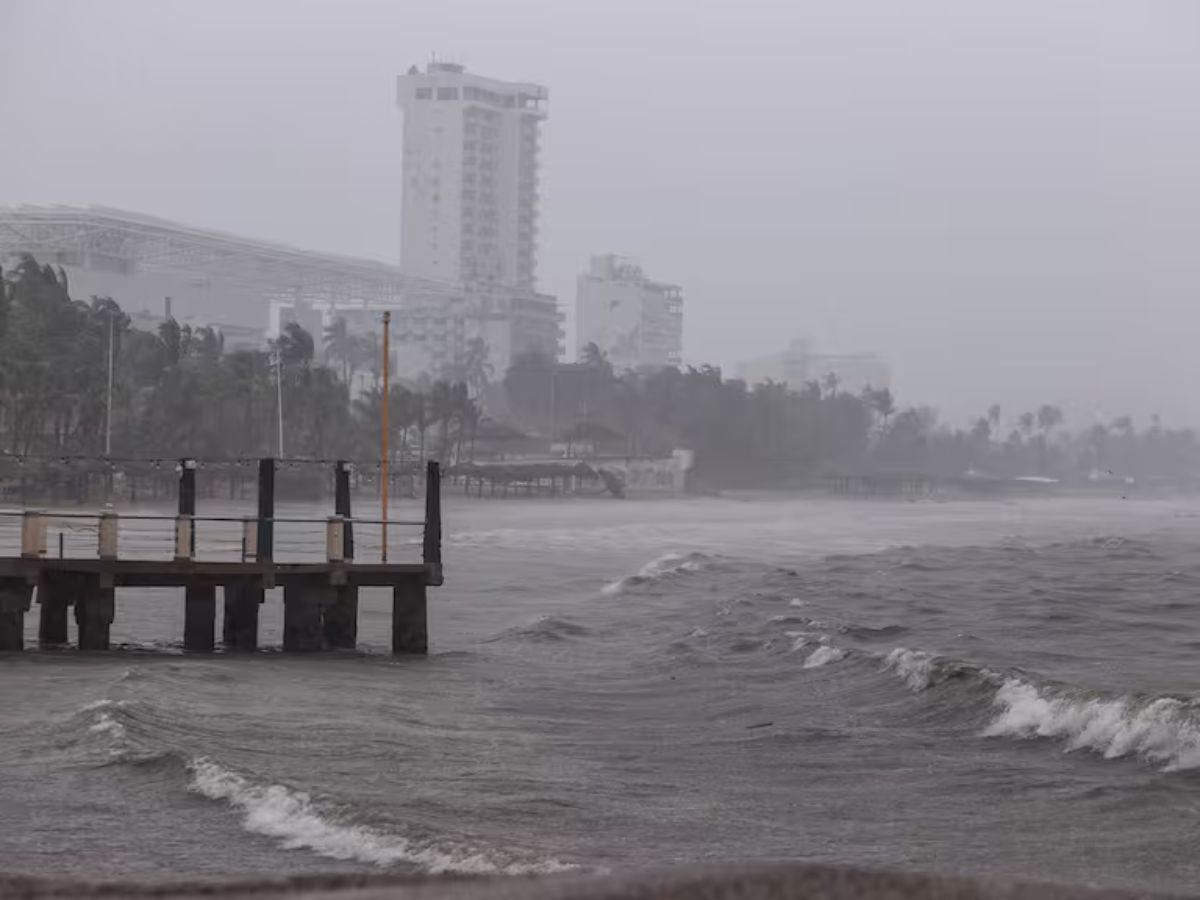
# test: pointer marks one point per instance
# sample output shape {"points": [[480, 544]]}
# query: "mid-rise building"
{"points": [[799, 364], [636, 322], [248, 288], [470, 198]]}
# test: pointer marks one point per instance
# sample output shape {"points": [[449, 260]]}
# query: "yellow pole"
{"points": [[383, 462]]}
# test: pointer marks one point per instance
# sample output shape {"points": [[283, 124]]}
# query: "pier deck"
{"points": [[320, 596]]}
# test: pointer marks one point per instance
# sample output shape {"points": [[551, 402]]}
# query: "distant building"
{"points": [[636, 322], [799, 364], [247, 288], [470, 204]]}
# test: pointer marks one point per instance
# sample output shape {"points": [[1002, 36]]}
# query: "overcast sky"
{"points": [[1002, 197]]}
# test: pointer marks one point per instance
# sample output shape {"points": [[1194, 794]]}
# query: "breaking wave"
{"points": [[292, 818], [824, 655], [667, 565], [1160, 730], [1156, 729]]}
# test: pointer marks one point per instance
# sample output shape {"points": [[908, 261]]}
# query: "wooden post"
{"points": [[33, 535], [383, 440], [265, 551], [108, 535], [187, 504], [249, 539], [341, 505], [340, 616], [184, 537], [335, 539], [410, 630], [199, 618], [432, 545]]}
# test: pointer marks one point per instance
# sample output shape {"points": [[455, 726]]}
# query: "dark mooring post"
{"points": [[94, 608], [15, 595], [266, 510], [432, 545], [341, 612]]}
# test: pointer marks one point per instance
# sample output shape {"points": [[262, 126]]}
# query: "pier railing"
{"points": [[52, 534]]}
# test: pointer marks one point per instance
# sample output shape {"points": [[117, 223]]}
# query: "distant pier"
{"points": [[320, 595]]}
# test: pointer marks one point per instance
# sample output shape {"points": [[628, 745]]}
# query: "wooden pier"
{"points": [[320, 596]]}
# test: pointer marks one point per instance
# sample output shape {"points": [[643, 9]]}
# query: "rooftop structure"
{"points": [[636, 322], [238, 283], [470, 202]]}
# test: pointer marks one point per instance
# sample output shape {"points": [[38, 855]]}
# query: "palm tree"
{"points": [[340, 345]]}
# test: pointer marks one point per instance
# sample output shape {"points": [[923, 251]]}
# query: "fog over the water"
{"points": [[1001, 197]]}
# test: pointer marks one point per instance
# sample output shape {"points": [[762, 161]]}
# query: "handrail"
{"points": [[147, 517]]}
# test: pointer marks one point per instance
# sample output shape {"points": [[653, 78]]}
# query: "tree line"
{"points": [[178, 391], [772, 432]]}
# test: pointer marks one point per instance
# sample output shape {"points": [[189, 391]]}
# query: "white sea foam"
{"points": [[823, 655], [294, 820], [1159, 730], [106, 724], [914, 666], [667, 564]]}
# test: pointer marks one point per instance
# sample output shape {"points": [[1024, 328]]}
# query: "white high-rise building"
{"points": [[470, 199], [636, 322]]}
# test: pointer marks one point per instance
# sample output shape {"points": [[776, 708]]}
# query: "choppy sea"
{"points": [[984, 687]]}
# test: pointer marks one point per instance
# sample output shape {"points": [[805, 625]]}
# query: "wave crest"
{"points": [[293, 819], [665, 566], [1157, 729]]}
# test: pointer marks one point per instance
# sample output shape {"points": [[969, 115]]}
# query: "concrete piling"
{"points": [[302, 603], [340, 620], [94, 610], [199, 618], [54, 593], [15, 596], [410, 630], [240, 631]]}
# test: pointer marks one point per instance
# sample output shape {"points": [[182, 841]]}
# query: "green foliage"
{"points": [[178, 392]]}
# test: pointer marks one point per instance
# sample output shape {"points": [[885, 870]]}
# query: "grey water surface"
{"points": [[984, 687]]}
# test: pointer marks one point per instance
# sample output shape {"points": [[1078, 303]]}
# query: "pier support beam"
{"points": [[410, 631], [94, 609], [341, 618], [302, 602], [15, 596], [240, 631], [199, 618], [54, 593]]}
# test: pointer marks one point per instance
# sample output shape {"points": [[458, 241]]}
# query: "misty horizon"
{"points": [[1000, 201]]}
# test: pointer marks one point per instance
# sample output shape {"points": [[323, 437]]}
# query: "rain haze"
{"points": [[659, 448], [1000, 198]]}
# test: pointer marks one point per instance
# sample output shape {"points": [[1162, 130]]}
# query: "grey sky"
{"points": [[1002, 197]]}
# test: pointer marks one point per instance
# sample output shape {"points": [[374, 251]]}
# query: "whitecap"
{"points": [[1158, 730], [822, 656], [291, 817], [915, 667]]}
